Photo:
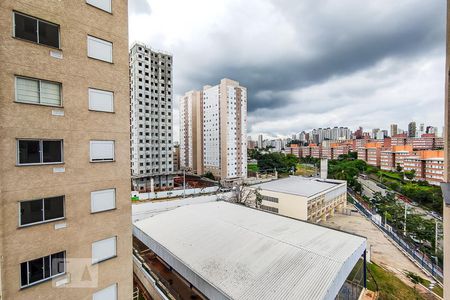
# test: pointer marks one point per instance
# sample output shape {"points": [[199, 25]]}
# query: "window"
{"points": [[41, 269], [99, 49], [36, 30], [269, 208], [41, 210], [102, 4], [103, 249], [39, 152], [102, 151], [101, 100], [270, 199], [38, 91], [103, 200], [109, 293]]}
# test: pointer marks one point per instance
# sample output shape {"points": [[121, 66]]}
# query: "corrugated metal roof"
{"points": [[301, 186], [241, 253]]}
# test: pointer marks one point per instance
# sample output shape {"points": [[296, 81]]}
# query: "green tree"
{"points": [[209, 175]]}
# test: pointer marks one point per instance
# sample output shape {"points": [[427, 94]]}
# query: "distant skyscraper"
{"points": [[394, 129], [412, 129], [225, 129], [151, 118], [260, 141], [191, 125]]}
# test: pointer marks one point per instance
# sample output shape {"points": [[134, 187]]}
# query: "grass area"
{"points": [[305, 170], [253, 167], [389, 286], [438, 290]]}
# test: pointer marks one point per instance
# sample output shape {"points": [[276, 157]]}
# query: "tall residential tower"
{"points": [[225, 130], [151, 118], [65, 223], [191, 128]]}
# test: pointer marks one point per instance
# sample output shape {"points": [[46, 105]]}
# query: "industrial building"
{"points": [[308, 199], [220, 250]]}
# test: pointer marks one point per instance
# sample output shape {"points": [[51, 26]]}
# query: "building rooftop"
{"points": [[300, 186], [230, 251]]}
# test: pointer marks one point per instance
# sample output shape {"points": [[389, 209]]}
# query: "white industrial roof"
{"points": [[301, 186], [229, 251]]}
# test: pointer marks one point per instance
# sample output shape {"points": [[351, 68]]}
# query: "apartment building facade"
{"points": [[224, 110], [191, 132], [151, 118], [65, 183], [445, 185], [427, 165]]}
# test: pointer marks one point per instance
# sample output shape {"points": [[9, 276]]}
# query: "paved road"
{"points": [[382, 251]]}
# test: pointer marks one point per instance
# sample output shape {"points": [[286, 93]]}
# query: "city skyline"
{"points": [[295, 81]]}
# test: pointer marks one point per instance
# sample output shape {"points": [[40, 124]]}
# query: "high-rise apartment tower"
{"points": [[191, 129], [151, 118], [65, 223], [394, 129], [224, 108]]}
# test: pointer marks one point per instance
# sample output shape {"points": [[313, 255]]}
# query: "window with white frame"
{"points": [[39, 211], [109, 293], [36, 30], [100, 100], [31, 152], [103, 200], [102, 4], [102, 151], [99, 49], [42, 269], [37, 91], [103, 249]]}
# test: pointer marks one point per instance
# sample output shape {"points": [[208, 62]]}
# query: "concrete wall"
{"points": [[288, 205], [77, 127]]}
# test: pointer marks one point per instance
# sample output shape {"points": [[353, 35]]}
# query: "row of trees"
{"points": [[418, 228], [274, 160]]}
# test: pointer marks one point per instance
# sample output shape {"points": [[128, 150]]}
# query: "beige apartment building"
{"points": [[445, 186], [308, 199], [191, 129], [224, 110], [65, 226]]}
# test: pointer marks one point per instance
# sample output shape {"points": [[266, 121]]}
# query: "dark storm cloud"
{"points": [[316, 63], [339, 49]]}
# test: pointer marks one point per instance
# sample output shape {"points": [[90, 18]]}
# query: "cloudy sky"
{"points": [[306, 63]]}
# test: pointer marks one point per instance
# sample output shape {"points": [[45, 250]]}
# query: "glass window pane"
{"points": [[29, 152], [58, 263], [54, 208], [25, 27], [36, 270], [27, 90], [30, 212], [47, 267], [50, 93], [48, 34], [23, 274], [52, 151]]}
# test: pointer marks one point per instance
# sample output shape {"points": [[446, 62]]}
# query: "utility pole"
{"points": [[436, 237], [184, 183], [404, 227]]}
